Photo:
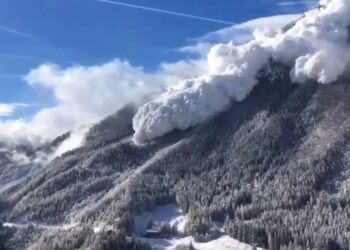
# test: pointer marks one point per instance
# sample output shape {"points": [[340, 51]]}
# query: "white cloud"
{"points": [[86, 94], [75, 139], [308, 4], [19, 157], [243, 32], [316, 47], [197, 89], [273, 22], [240, 33], [7, 109]]}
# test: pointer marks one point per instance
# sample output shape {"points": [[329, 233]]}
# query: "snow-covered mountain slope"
{"points": [[273, 168], [265, 161]]}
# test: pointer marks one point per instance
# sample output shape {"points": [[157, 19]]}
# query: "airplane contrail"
{"points": [[166, 12], [17, 32]]}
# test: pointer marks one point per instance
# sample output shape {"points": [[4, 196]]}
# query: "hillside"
{"points": [[275, 165], [254, 154]]}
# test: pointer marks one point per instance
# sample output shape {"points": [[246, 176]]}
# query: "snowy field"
{"points": [[168, 214], [172, 215]]}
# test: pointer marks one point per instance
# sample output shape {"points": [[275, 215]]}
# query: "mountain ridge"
{"points": [[243, 152], [268, 164]]}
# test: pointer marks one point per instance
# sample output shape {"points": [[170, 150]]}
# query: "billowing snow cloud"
{"points": [[84, 95], [242, 33], [316, 47]]}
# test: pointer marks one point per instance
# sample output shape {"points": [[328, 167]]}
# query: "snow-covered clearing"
{"points": [[223, 243], [11, 184], [168, 214], [163, 214], [172, 215]]}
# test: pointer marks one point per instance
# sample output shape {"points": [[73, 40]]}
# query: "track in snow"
{"points": [[64, 227]]}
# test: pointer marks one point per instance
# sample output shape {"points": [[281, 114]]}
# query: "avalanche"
{"points": [[306, 47]]}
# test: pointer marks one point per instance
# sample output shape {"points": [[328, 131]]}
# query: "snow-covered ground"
{"points": [[163, 214], [14, 175], [223, 243], [102, 227], [172, 215], [168, 214], [64, 227]]}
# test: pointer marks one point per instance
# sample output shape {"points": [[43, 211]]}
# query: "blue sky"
{"points": [[89, 32]]}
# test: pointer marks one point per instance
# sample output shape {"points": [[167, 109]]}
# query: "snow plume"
{"points": [[85, 94], [75, 140], [316, 47], [242, 33], [195, 100]]}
